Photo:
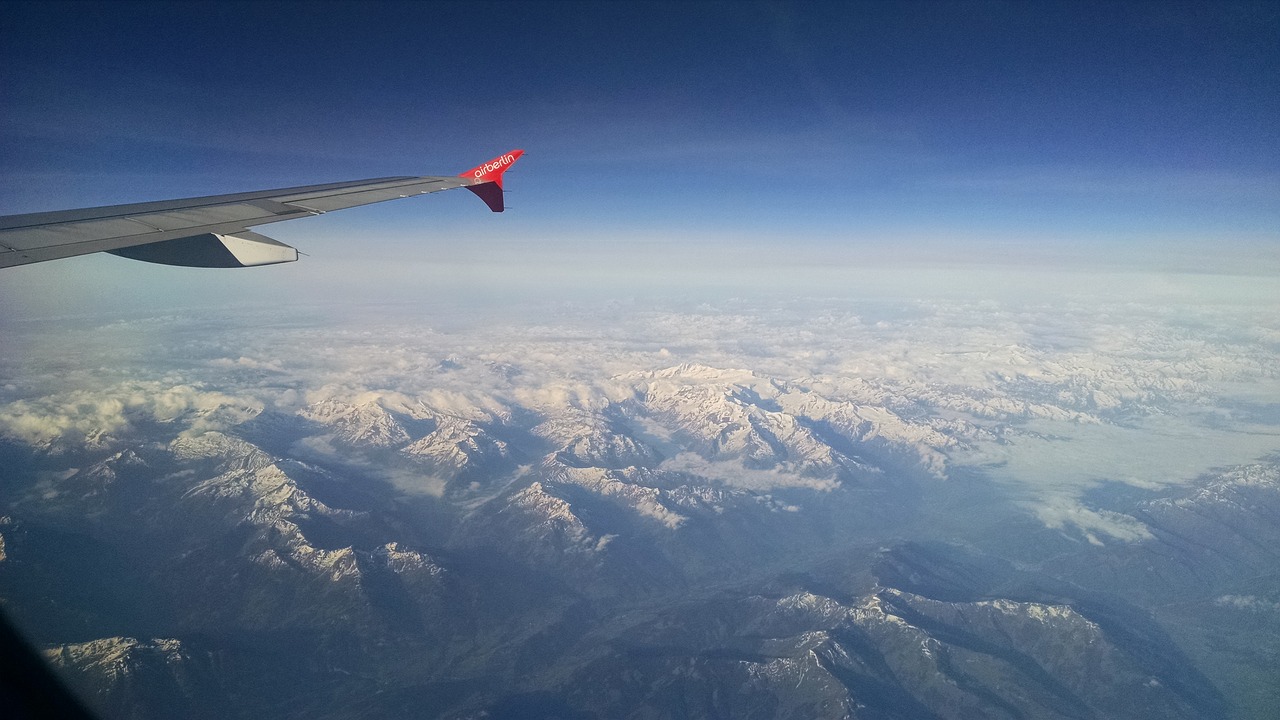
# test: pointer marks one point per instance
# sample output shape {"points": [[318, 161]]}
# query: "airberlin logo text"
{"points": [[498, 164]]}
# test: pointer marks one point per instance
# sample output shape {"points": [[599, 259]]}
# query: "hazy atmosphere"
{"points": [[872, 360]]}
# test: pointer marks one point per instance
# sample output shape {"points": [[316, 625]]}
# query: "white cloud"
{"points": [[734, 474], [1247, 602], [410, 482], [81, 416], [1050, 394], [247, 363], [1061, 512], [558, 395], [72, 418]]}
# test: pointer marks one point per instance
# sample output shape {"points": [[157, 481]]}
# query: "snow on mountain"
{"points": [[253, 489], [98, 480], [1039, 630], [550, 520], [1238, 506], [806, 606], [1226, 524], [116, 658], [261, 494], [886, 653], [1226, 488], [686, 374], [881, 427], [1003, 398], [295, 552], [458, 444], [983, 403], [702, 497], [729, 422], [94, 440], [367, 424], [681, 501], [771, 422], [401, 560], [142, 678], [292, 551], [1034, 659], [108, 471], [619, 487], [597, 453], [232, 454], [585, 439]]}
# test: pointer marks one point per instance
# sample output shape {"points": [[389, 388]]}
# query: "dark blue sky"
{"points": [[942, 123]]}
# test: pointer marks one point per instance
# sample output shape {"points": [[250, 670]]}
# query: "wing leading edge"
{"points": [[214, 231]]}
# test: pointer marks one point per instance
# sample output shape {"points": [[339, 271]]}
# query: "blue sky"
{"points": [[948, 128]]}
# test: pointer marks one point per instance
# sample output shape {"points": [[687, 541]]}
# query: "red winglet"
{"points": [[489, 175]]}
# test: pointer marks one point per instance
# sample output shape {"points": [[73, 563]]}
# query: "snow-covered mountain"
{"points": [[888, 652], [894, 514], [366, 424], [593, 439], [458, 444], [147, 679]]}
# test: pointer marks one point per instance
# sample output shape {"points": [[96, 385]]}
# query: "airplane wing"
{"points": [[214, 231]]}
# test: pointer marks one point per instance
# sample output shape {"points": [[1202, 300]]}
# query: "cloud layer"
{"points": [[1049, 399]]}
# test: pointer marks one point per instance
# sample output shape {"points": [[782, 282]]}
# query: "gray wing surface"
{"points": [[214, 231]]}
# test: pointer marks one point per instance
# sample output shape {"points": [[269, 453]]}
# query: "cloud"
{"points": [[247, 363], [1061, 512], [1047, 395], [410, 482], [734, 474], [80, 417], [1247, 602], [71, 418], [558, 395]]}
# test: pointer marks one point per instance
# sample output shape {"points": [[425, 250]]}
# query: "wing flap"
{"points": [[211, 250], [200, 217], [116, 232], [38, 237]]}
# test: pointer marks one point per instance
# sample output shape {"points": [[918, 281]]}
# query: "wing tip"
{"points": [[491, 193], [487, 179], [491, 172]]}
